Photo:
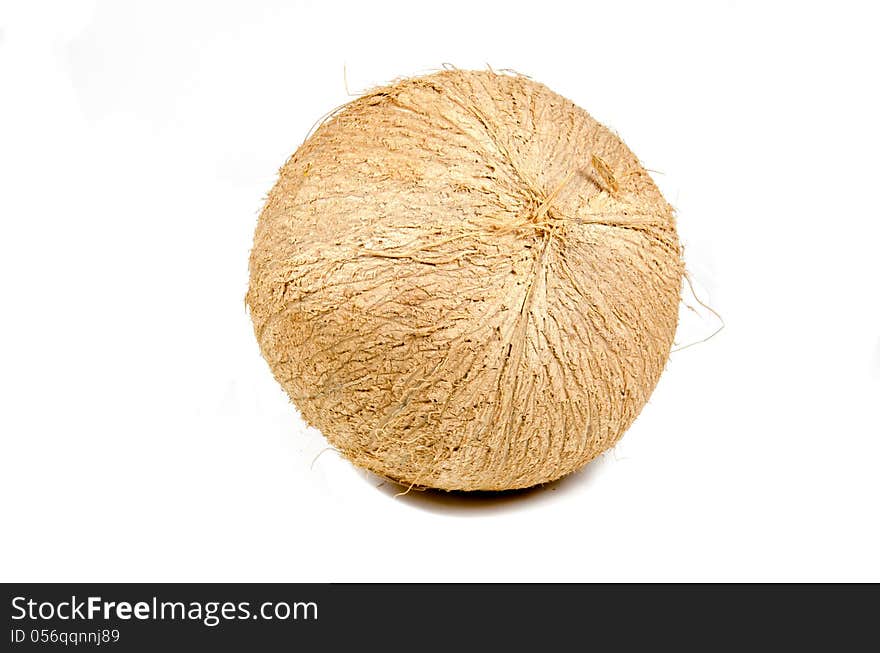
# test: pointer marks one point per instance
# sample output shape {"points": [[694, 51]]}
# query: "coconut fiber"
{"points": [[466, 282]]}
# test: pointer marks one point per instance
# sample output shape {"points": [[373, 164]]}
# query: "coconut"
{"points": [[466, 282]]}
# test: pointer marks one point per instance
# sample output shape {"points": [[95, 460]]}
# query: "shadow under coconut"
{"points": [[476, 504]]}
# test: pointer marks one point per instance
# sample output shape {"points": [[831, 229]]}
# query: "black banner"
{"points": [[269, 617]]}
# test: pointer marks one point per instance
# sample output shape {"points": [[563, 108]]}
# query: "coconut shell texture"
{"points": [[466, 282]]}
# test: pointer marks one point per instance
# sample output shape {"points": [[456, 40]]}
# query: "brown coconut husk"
{"points": [[466, 282]]}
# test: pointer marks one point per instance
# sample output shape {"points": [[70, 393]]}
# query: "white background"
{"points": [[143, 437]]}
